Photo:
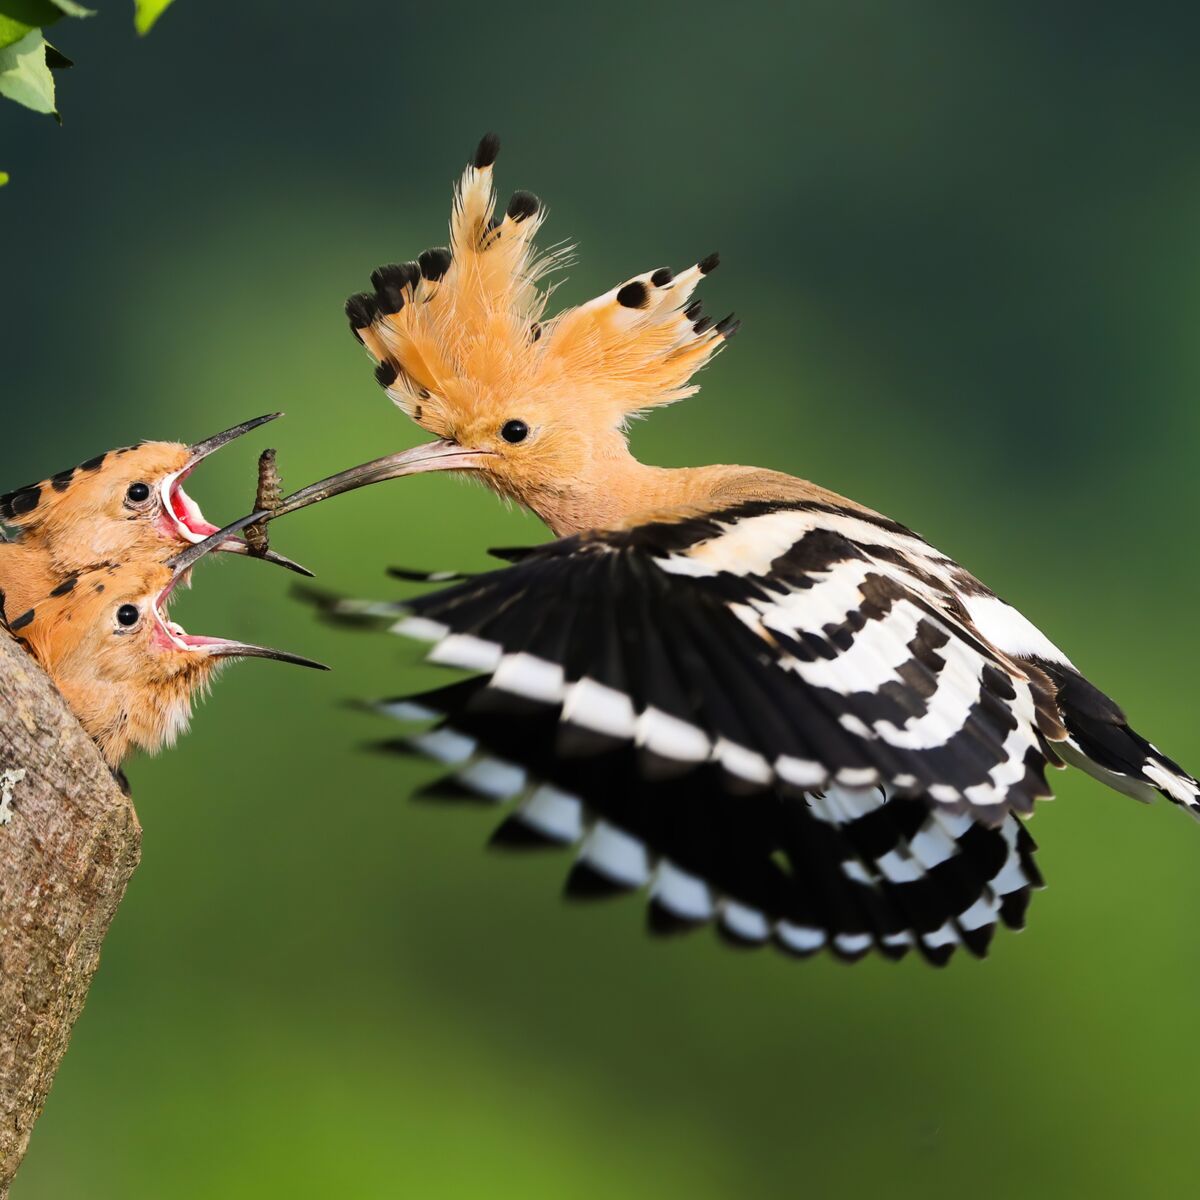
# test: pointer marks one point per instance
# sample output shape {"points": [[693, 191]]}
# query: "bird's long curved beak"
{"points": [[180, 565], [201, 450], [432, 456], [221, 648]]}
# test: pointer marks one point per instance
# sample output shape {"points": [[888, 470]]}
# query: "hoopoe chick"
{"points": [[128, 672], [128, 505], [772, 707]]}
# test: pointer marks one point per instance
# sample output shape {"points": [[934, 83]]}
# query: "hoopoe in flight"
{"points": [[127, 505], [773, 707]]}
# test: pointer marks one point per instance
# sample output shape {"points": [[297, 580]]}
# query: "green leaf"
{"points": [[146, 12], [33, 13], [19, 18], [12, 30], [24, 75], [3, 178]]}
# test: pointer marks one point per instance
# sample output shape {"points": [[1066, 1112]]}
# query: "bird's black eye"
{"points": [[138, 493], [128, 615], [514, 431]]}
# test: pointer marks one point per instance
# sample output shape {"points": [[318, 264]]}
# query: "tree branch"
{"points": [[69, 841]]}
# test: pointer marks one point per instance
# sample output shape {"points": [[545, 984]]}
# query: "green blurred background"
{"points": [[965, 242]]}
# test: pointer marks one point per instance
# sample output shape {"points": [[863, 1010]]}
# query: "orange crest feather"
{"points": [[458, 334]]}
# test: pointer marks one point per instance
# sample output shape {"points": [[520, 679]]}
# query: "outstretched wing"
{"points": [[769, 721], [762, 640]]}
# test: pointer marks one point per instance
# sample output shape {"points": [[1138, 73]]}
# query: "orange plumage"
{"points": [[80, 518], [128, 505], [462, 348], [128, 684], [130, 673], [98, 551]]}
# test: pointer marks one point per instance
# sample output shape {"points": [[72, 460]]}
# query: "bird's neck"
{"points": [[616, 490]]}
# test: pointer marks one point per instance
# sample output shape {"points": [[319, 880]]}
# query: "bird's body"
{"points": [[788, 716], [768, 703]]}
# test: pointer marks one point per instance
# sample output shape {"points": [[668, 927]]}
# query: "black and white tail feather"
{"points": [[796, 720]]}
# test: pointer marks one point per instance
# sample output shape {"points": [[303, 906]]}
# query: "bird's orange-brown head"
{"points": [[125, 505], [129, 673], [537, 408]]}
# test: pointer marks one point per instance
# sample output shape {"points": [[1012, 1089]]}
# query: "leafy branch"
{"points": [[28, 60]]}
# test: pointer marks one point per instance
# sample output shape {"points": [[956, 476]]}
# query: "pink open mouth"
{"points": [[170, 635], [181, 514]]}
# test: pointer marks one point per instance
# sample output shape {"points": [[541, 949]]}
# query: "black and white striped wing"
{"points": [[769, 723], [764, 641]]}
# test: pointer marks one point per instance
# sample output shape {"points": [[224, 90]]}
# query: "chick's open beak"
{"points": [[180, 639], [201, 450], [221, 648], [184, 513], [442, 455]]}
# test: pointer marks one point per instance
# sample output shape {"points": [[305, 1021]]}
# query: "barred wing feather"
{"points": [[808, 664], [794, 720]]}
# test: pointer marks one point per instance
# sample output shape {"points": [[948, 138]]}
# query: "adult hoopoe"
{"points": [[123, 506], [128, 672], [773, 707]]}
